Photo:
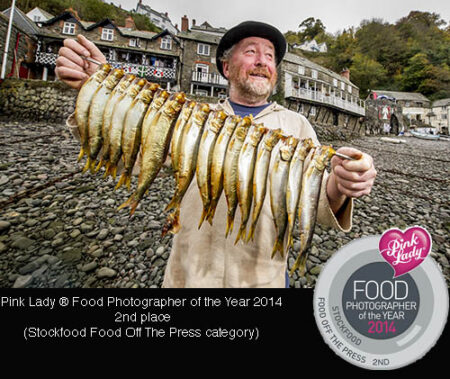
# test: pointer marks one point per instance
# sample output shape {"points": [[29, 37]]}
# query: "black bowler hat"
{"points": [[251, 29]]}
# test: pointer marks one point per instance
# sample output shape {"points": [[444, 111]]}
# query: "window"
{"points": [[335, 83], [314, 74], [69, 28], [342, 86], [107, 34], [349, 88], [312, 111], [166, 43], [201, 92], [301, 70], [36, 18], [133, 42], [202, 49]]}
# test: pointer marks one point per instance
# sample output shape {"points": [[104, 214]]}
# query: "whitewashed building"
{"points": [[311, 46], [161, 20], [39, 15], [440, 115]]}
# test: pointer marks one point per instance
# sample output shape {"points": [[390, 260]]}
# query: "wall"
{"points": [[36, 100]]}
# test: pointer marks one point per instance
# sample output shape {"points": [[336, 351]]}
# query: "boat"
{"points": [[424, 135]]}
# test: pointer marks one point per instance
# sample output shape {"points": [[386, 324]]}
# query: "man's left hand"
{"points": [[350, 178]]}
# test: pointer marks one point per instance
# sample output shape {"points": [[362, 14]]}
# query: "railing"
{"points": [[46, 58], [320, 97], [136, 69], [146, 71], [202, 77]]}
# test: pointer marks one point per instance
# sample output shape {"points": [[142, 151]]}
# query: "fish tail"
{"points": [[241, 234], [230, 222], [212, 211], [81, 154], [172, 224], [251, 233], [173, 203], [92, 166], [290, 241], [278, 247], [101, 163], [132, 202], [87, 165], [123, 180], [204, 214], [106, 174], [300, 263], [128, 182]]}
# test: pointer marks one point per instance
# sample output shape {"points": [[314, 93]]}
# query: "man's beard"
{"points": [[253, 90]]}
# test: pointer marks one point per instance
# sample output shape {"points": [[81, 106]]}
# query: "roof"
{"points": [[208, 28], [45, 13], [148, 9], [137, 33], [200, 36], [300, 60], [410, 96], [22, 21], [441, 103]]}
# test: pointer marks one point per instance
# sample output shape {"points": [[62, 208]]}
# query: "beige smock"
{"points": [[205, 258]]}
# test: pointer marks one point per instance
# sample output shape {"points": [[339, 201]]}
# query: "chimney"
{"points": [[346, 73], [184, 24], [167, 14], [193, 22], [129, 23], [74, 12]]}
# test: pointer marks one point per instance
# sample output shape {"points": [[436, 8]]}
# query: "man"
{"points": [[248, 56]]}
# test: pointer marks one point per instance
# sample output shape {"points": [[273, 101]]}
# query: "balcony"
{"points": [[357, 107], [201, 77], [161, 73]]}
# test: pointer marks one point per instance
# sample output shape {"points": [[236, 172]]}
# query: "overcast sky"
{"points": [[288, 14]]}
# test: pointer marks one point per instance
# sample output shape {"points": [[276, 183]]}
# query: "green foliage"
{"points": [[411, 55]]}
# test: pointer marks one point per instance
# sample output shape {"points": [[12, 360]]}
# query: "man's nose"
{"points": [[261, 60]]}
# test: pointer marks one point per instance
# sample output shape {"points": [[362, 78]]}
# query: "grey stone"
{"points": [[102, 234], [89, 266], [23, 281], [4, 225], [106, 272], [22, 243]]}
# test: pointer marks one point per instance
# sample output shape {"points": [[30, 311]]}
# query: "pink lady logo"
{"points": [[404, 251]]}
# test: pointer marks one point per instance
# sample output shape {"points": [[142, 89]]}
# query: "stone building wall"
{"points": [[36, 100]]}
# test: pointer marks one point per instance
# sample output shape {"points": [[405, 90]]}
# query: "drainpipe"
{"points": [[8, 35]]}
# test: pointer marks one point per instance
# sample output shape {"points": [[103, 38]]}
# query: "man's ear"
{"points": [[225, 69]]}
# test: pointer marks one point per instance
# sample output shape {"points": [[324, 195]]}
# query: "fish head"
{"points": [[160, 99], [102, 72], [287, 147], [175, 104], [114, 78], [146, 95], [271, 138], [304, 147], [201, 113], [322, 157], [217, 121], [257, 133], [230, 124], [153, 87]]}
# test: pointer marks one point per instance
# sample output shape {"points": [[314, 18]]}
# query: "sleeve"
{"points": [[71, 124]]}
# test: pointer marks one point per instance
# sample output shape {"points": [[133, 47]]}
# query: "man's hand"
{"points": [[350, 178], [70, 67]]}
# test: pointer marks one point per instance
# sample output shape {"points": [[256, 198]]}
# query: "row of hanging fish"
{"points": [[120, 116]]}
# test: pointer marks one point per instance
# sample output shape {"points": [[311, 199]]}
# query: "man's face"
{"points": [[251, 69]]}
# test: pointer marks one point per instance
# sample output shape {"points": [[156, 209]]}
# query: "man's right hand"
{"points": [[70, 67]]}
